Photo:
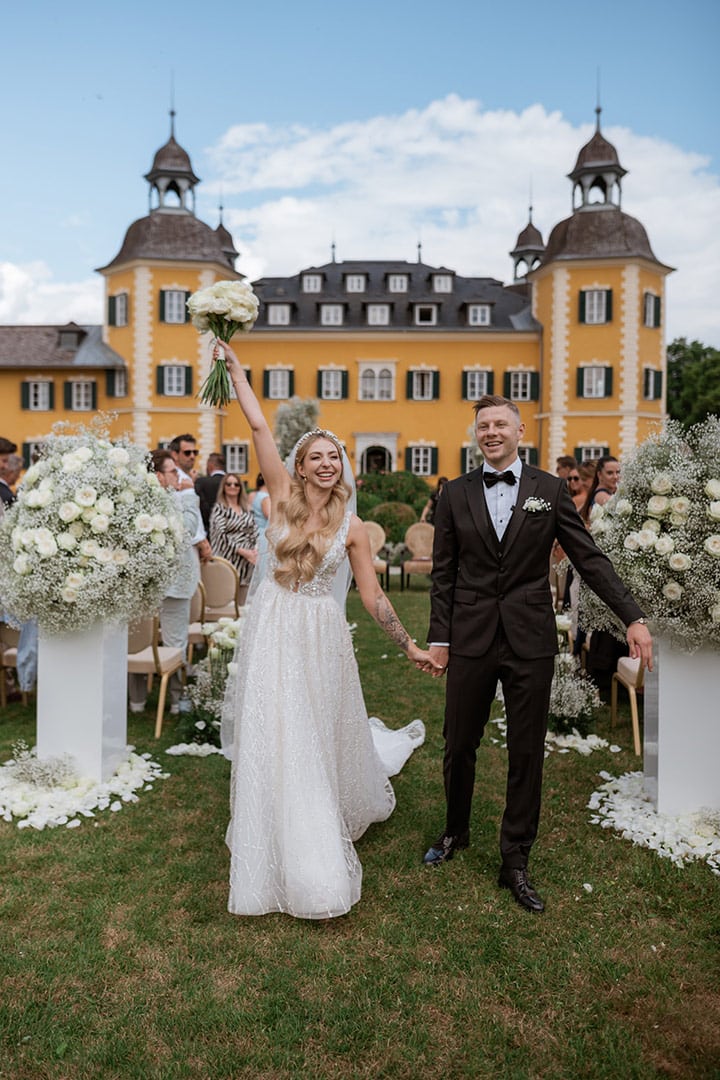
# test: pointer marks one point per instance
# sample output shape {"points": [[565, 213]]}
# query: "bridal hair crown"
{"points": [[318, 433]]}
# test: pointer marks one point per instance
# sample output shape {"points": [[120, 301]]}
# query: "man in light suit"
{"points": [[492, 617]]}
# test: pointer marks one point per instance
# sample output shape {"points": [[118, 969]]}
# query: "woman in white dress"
{"points": [[310, 771]]}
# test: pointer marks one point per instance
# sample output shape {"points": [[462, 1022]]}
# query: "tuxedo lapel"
{"points": [[526, 489], [475, 495]]}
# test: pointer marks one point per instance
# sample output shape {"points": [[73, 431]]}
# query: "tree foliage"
{"points": [[293, 420], [401, 486], [693, 381]]}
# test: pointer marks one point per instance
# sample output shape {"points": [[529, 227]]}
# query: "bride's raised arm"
{"points": [[276, 476]]}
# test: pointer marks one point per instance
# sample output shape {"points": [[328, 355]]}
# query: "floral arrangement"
{"points": [[662, 532], [574, 697], [534, 505], [201, 724], [92, 535], [223, 308]]}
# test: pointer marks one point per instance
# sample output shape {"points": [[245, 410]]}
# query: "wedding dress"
{"points": [[310, 769]]}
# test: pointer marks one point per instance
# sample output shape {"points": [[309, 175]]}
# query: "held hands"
{"points": [[641, 646], [424, 661]]}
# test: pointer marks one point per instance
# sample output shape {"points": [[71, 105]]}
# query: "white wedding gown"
{"points": [[310, 770]]}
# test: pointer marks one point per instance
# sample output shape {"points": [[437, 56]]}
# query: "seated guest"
{"points": [[207, 486], [233, 532]]}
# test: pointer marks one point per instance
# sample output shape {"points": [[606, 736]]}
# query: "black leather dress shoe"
{"points": [[444, 849], [517, 882]]}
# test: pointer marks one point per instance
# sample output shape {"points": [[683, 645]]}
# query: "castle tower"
{"points": [[528, 251]]}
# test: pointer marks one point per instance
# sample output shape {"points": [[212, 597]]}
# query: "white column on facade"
{"points": [[629, 359], [557, 362], [208, 432], [142, 374]]}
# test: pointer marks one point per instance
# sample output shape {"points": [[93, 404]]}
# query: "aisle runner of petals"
{"points": [[69, 802], [623, 805]]}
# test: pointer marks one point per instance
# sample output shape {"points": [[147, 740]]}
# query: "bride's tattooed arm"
{"points": [[385, 617]]}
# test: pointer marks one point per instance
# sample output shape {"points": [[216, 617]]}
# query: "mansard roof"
{"points": [[173, 236], [35, 347], [602, 232]]}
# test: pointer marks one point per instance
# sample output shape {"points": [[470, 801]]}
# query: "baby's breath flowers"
{"points": [[223, 308], [92, 536], [662, 532]]}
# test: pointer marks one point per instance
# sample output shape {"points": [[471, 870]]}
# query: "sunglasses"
{"points": [[189, 453], [232, 485], [574, 479]]}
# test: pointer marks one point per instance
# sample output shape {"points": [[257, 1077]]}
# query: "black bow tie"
{"points": [[493, 478]]}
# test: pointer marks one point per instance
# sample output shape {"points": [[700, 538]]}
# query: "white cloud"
{"points": [[28, 294]]}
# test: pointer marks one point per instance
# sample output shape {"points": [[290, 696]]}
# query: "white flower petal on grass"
{"points": [[587, 887]]}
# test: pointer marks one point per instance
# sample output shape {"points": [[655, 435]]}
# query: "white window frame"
{"points": [[378, 314], [594, 381], [422, 385], [236, 457], [442, 283], [331, 314], [474, 393], [591, 453], [421, 460], [173, 380], [331, 380], [278, 314], [523, 453], [121, 383], [81, 395], [649, 384], [312, 283], [39, 395], [121, 309], [431, 309], [397, 283], [521, 386], [355, 283], [278, 384], [174, 308], [470, 458], [478, 315], [376, 382], [595, 307]]}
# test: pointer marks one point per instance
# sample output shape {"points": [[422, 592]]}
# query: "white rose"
{"points": [[47, 484], [45, 543], [679, 561], [651, 523], [37, 498], [672, 591], [121, 557], [127, 497], [658, 505], [71, 463], [713, 510], [86, 496], [680, 505], [105, 505], [157, 538], [677, 519], [664, 545], [77, 529], [144, 523], [75, 579], [89, 548], [28, 538], [31, 475], [68, 511], [88, 514], [712, 545], [104, 555], [596, 512], [201, 323], [22, 564], [623, 507], [100, 523], [16, 537], [712, 488], [646, 538], [160, 522], [661, 484], [66, 541], [83, 453], [118, 456], [169, 550], [630, 542], [68, 594]]}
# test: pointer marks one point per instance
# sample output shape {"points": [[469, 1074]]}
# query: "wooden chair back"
{"points": [[419, 539], [220, 581]]}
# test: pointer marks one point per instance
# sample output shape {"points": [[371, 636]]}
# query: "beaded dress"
{"points": [[310, 769]]}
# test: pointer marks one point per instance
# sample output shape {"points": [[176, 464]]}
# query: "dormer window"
{"points": [[378, 314], [312, 282], [398, 283], [425, 314], [442, 283], [478, 314], [69, 339], [355, 283], [278, 314], [331, 314]]}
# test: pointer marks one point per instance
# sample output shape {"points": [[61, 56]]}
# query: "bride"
{"points": [[310, 770]]}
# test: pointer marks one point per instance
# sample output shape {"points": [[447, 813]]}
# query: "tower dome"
{"points": [[528, 250], [597, 176]]}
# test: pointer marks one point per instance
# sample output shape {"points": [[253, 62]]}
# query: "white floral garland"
{"points": [[623, 804], [38, 806]]}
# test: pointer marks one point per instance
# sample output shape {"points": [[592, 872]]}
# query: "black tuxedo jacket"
{"points": [[479, 581], [207, 489]]}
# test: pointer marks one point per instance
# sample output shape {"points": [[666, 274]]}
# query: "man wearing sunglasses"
{"points": [[184, 451]]}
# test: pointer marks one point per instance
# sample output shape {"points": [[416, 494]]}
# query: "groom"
{"points": [[492, 618]]}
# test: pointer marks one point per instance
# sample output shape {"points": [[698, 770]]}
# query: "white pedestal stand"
{"points": [[82, 698], [682, 730]]}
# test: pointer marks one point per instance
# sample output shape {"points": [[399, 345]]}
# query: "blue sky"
{"points": [[373, 123]]}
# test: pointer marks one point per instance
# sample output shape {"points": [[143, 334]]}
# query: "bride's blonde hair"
{"points": [[299, 555]]}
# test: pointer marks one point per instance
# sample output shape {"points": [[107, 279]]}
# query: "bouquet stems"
{"points": [[216, 389]]}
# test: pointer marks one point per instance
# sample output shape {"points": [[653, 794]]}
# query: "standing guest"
{"points": [[233, 532], [564, 465], [492, 618], [6, 449], [207, 486], [184, 452], [259, 503], [580, 487], [604, 484], [9, 473], [428, 512]]}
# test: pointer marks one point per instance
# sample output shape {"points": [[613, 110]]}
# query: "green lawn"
{"points": [[118, 958]]}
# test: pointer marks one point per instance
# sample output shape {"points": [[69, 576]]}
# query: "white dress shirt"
{"points": [[501, 498]]}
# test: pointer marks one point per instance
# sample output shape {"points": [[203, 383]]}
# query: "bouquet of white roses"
{"points": [[91, 536], [662, 532], [223, 308]]}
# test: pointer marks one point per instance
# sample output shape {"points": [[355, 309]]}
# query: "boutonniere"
{"points": [[536, 506]]}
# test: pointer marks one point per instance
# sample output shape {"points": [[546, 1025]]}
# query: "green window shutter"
{"points": [[187, 313], [24, 395], [266, 384], [436, 391], [319, 384], [409, 386], [67, 395], [580, 384], [464, 391], [188, 380], [93, 401], [491, 382], [160, 380], [608, 381], [434, 461], [534, 386], [26, 460], [408, 459], [506, 384], [344, 388], [51, 396], [463, 459], [111, 311], [162, 305], [532, 455], [581, 306], [577, 453], [608, 305], [657, 312], [657, 385], [110, 383], [291, 383]]}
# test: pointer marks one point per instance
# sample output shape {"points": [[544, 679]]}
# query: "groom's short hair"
{"points": [[491, 401]]}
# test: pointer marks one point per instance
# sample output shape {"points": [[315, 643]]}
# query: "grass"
{"points": [[118, 958]]}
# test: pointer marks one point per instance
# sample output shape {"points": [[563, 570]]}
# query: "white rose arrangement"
{"points": [[223, 308], [207, 692], [92, 536], [662, 532]]}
